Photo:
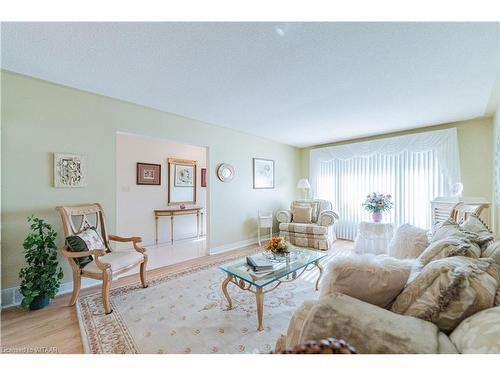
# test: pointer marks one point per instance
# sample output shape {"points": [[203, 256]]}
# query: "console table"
{"points": [[177, 211], [373, 237]]}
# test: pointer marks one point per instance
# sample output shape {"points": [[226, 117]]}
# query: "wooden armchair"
{"points": [[105, 263], [461, 211]]}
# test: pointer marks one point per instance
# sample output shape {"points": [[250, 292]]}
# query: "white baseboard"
{"points": [[237, 245], [12, 296]]}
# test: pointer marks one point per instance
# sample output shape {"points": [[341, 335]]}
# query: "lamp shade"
{"points": [[303, 184]]}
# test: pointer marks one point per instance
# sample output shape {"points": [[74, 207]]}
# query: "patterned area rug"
{"points": [[186, 313]]}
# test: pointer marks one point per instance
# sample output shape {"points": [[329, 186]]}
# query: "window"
{"points": [[414, 169]]}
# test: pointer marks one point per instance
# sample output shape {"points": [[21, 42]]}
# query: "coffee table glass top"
{"points": [[298, 259]]}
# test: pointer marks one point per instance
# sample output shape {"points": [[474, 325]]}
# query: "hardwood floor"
{"points": [[55, 329]]}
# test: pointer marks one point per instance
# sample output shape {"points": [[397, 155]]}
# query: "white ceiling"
{"points": [[298, 83]]}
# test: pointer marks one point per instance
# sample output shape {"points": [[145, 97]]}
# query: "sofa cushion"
{"points": [[302, 214], [303, 228], [449, 290], [448, 247], [86, 240], [479, 333], [370, 278], [408, 242], [366, 327]]}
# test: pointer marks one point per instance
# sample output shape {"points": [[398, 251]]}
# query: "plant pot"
{"points": [[377, 217], [39, 302]]}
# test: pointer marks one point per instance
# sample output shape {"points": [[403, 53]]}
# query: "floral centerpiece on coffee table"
{"points": [[278, 246], [377, 203]]}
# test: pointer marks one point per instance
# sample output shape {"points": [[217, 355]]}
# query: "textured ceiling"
{"points": [[298, 83]]}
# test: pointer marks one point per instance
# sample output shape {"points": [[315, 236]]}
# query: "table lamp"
{"points": [[305, 186]]}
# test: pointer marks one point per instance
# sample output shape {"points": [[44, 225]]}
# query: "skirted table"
{"points": [[373, 237]]}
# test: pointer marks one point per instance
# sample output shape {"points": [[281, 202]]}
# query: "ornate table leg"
{"points": [[172, 229], [156, 230], [226, 294], [320, 273], [198, 224], [259, 295]]}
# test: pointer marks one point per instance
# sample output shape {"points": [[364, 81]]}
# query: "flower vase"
{"points": [[377, 217]]}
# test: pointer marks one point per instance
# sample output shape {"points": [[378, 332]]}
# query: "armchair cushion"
{"points": [[368, 328], [373, 279], [302, 214], [86, 240], [118, 259], [315, 208], [303, 228], [449, 290]]}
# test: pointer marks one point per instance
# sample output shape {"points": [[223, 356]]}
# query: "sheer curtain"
{"points": [[414, 169]]}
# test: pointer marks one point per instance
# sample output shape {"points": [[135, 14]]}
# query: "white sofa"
{"points": [[447, 305], [319, 234]]}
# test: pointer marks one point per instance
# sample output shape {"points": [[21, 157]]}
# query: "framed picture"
{"points": [[70, 170], [148, 174], [263, 173], [203, 177], [184, 175]]}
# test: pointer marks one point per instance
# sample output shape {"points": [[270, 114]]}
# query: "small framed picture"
{"points": [[69, 170], [184, 175], [203, 177], [263, 173], [148, 174]]}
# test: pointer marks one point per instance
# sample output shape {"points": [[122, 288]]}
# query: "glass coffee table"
{"points": [[285, 269]]}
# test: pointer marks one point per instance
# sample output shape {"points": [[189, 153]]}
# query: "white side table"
{"points": [[265, 220], [373, 237]]}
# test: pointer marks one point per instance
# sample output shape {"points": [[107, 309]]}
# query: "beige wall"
{"points": [[39, 118], [476, 155]]}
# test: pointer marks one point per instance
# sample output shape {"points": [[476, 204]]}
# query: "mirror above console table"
{"points": [[181, 182]]}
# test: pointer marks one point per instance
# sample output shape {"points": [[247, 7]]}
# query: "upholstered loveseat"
{"points": [[308, 223], [447, 300]]}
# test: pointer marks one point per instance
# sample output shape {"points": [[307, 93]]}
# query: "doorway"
{"points": [[149, 179]]}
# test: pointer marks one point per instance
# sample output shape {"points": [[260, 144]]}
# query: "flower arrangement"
{"points": [[376, 202], [278, 246]]}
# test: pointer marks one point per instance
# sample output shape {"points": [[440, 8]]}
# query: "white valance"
{"points": [[443, 142]]}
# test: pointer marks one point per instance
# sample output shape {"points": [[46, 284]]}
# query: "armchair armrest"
{"points": [[78, 254], [284, 216], [327, 218], [134, 240]]}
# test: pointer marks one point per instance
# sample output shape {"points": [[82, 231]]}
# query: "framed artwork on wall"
{"points": [[70, 170], [203, 177], [263, 173], [148, 174], [184, 175]]}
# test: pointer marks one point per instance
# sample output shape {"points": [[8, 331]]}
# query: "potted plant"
{"points": [[41, 278], [377, 203]]}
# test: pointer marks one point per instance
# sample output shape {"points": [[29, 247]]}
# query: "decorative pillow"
{"points": [[86, 240], [313, 204], [479, 333], [492, 251], [449, 247], [302, 214], [483, 234], [370, 278], [445, 229], [449, 290], [408, 242]]}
